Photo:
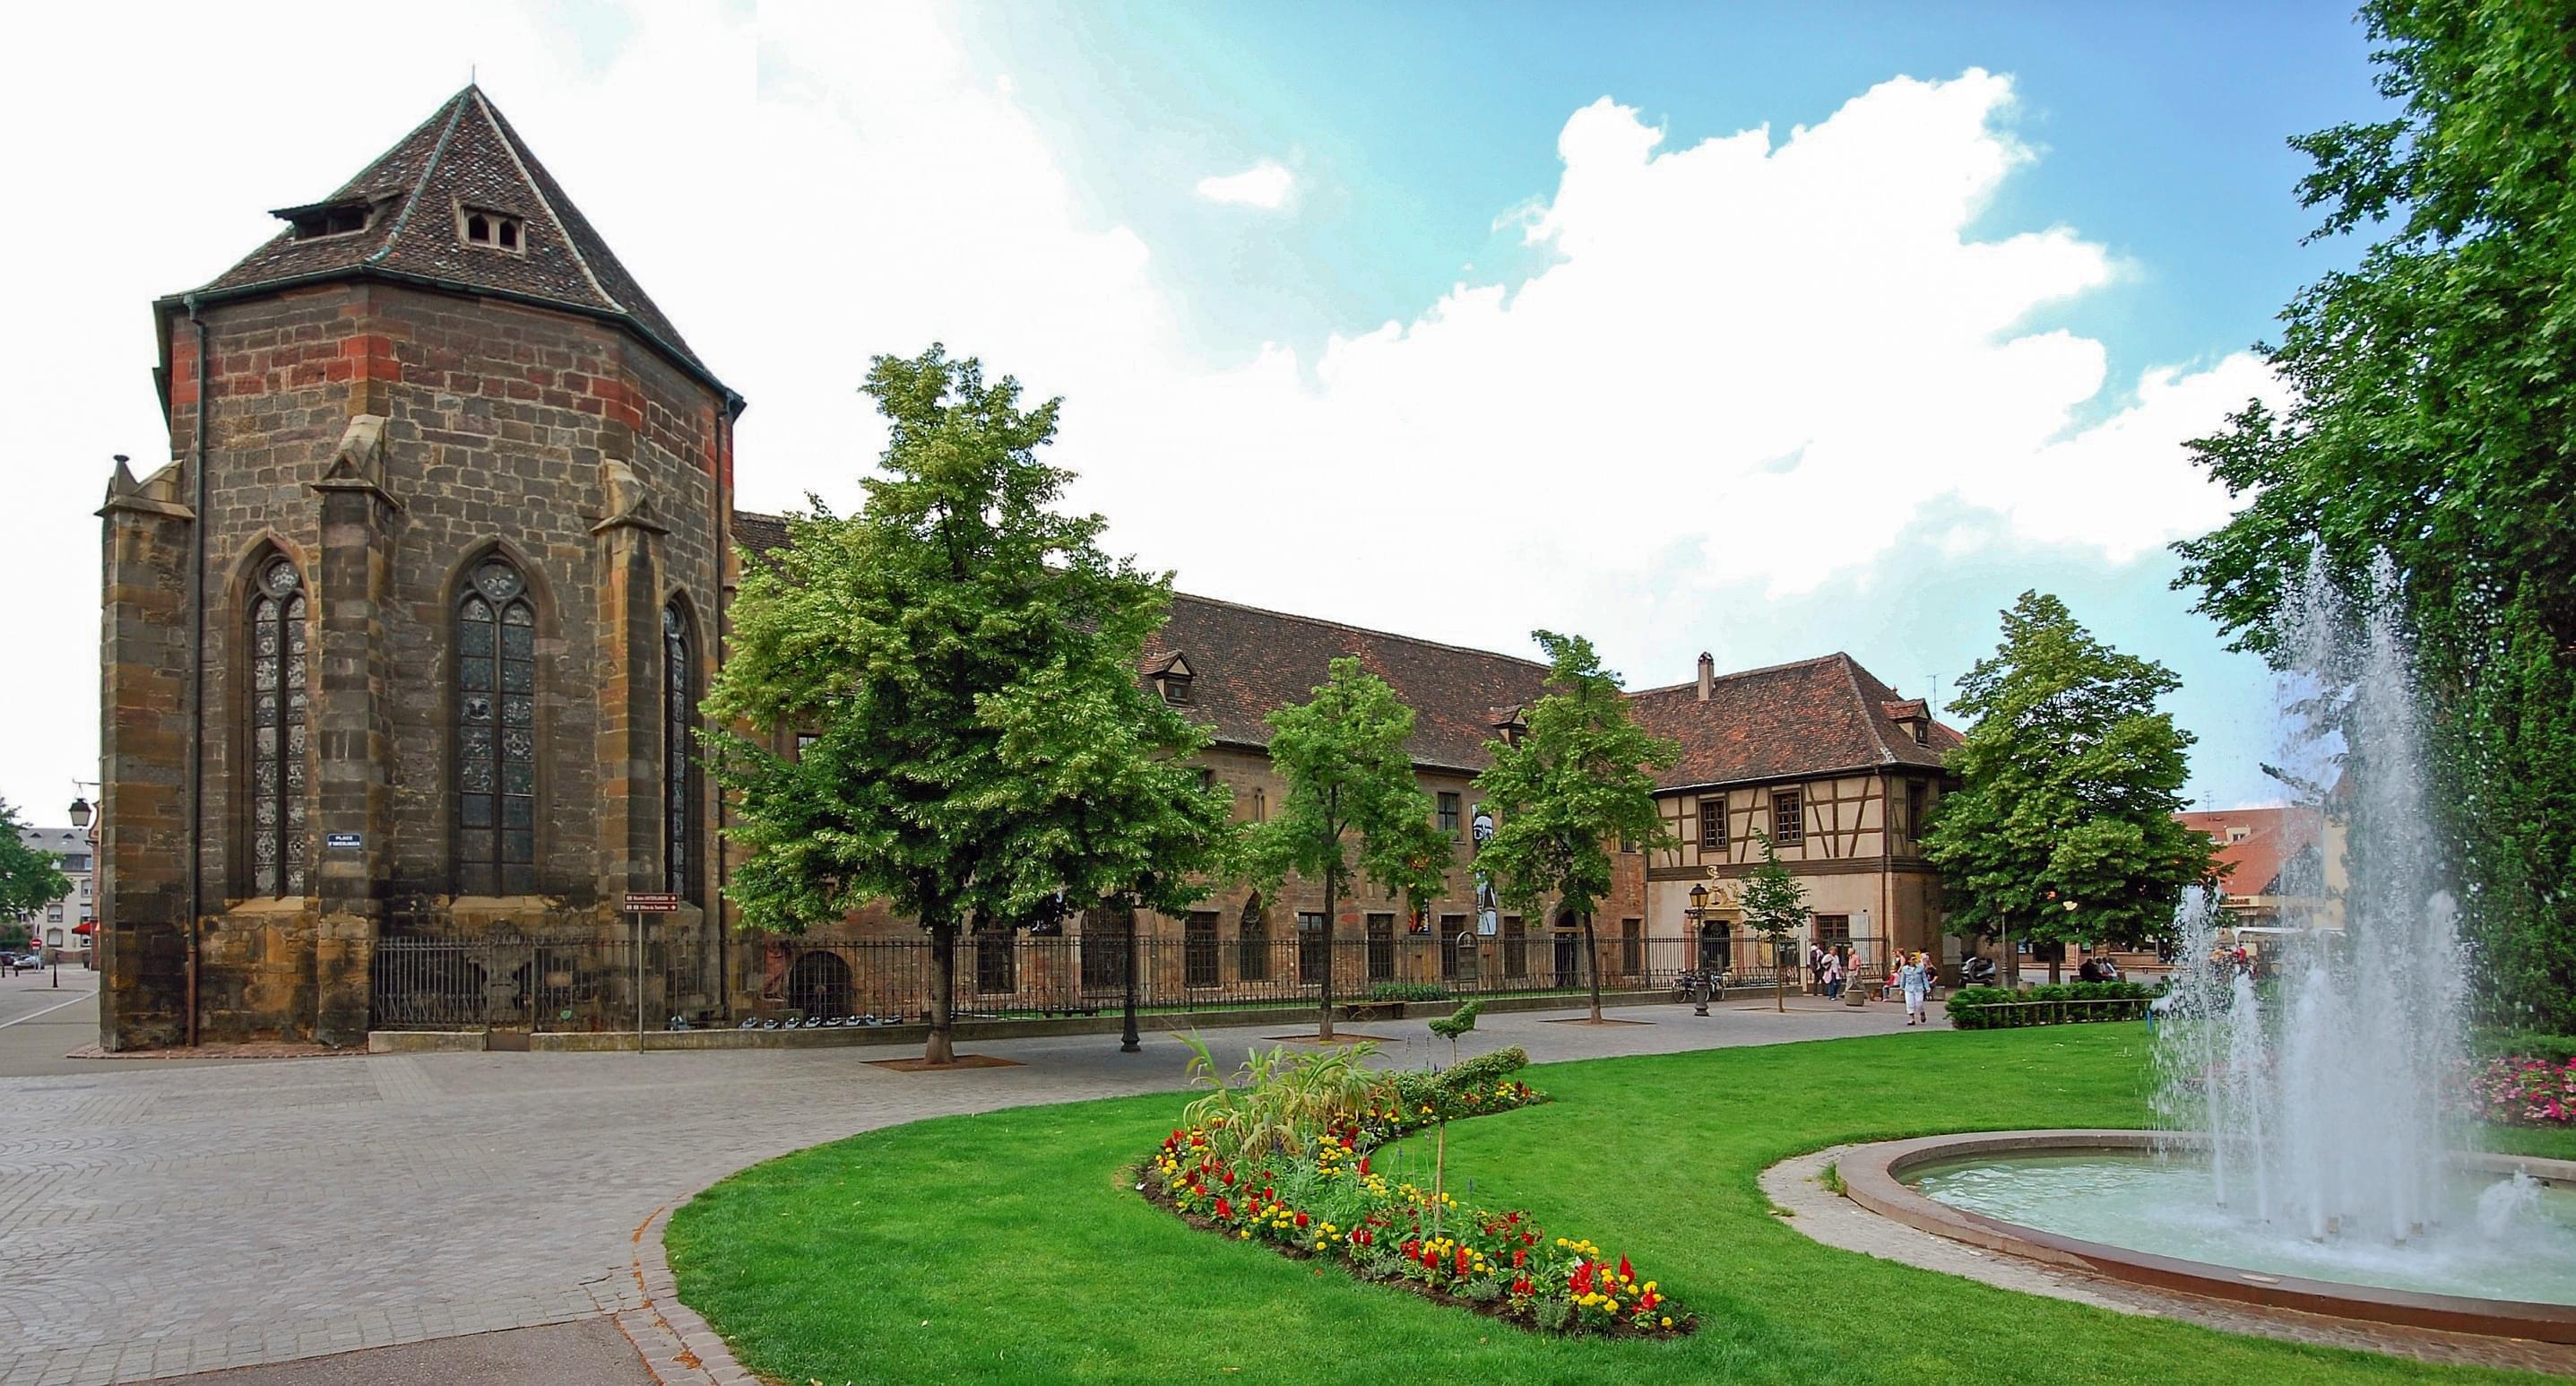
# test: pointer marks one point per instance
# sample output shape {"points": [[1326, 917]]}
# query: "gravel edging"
{"points": [[678, 1345]]}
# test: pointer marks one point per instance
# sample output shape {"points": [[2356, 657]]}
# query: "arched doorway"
{"points": [[819, 984]]}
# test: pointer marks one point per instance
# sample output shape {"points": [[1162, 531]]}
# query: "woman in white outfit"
{"points": [[1916, 980]]}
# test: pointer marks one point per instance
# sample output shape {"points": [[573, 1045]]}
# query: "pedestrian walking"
{"points": [[1915, 980]]}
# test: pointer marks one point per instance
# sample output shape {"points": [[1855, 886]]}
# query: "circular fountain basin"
{"points": [[2105, 1202]]}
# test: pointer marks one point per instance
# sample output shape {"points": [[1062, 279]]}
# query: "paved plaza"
{"points": [[161, 1217]]}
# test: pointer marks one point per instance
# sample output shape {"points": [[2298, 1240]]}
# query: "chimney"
{"points": [[1707, 676]]}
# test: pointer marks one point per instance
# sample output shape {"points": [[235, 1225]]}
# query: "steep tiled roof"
{"points": [[759, 533], [1247, 661], [2252, 864], [1789, 719], [1823, 714], [465, 153]]}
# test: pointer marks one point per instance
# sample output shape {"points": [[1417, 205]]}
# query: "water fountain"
{"points": [[2307, 1155]]}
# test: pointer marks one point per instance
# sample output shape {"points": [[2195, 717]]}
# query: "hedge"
{"points": [[1995, 1008]]}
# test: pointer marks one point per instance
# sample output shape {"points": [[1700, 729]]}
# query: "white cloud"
{"points": [[1747, 360], [1267, 184]]}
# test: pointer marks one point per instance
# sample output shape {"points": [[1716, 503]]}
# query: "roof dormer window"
{"points": [[496, 230], [1171, 675], [330, 219]]}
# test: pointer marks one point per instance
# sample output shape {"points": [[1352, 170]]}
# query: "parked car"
{"points": [[22, 962]]}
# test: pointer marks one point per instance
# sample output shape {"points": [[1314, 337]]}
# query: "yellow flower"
{"points": [[1668, 1320], [1243, 1236]]}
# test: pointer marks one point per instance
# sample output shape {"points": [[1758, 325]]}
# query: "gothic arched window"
{"points": [[496, 733], [277, 719], [679, 778]]}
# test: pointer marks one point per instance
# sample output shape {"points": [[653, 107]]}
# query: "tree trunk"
{"points": [[1779, 978], [2007, 967], [1324, 1023], [1592, 964], [2056, 960], [938, 1048]]}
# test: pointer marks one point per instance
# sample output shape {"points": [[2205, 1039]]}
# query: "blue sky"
{"points": [[1764, 330]]}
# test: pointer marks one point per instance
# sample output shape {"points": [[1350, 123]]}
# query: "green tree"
{"points": [[1578, 778], [2434, 423], [1775, 906], [1351, 809], [2063, 826], [965, 660], [29, 879]]}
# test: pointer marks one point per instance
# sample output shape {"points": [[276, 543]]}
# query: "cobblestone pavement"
{"points": [[1836, 1221], [163, 1217]]}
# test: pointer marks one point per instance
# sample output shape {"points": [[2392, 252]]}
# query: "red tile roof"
{"points": [[1806, 718], [1815, 716], [2273, 838]]}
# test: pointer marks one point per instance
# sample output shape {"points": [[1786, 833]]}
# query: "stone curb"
{"points": [[677, 1345]]}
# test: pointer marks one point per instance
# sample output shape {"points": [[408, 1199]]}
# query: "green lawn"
{"points": [[1007, 1247]]}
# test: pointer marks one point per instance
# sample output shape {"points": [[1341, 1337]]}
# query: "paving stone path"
{"points": [[164, 1218]]}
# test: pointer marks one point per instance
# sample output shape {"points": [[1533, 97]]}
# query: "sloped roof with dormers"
{"points": [[466, 155], [1788, 720]]}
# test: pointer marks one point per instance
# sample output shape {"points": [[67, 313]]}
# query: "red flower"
{"points": [[1301, 1219], [1529, 1239], [1624, 1272], [1521, 1285], [1462, 1260], [1520, 1258], [1224, 1209], [1580, 1282], [1363, 1166], [1229, 1179]]}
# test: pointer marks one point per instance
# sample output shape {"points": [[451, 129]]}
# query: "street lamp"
{"points": [[1699, 910], [80, 812]]}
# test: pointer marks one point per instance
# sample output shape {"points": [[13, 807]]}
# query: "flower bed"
{"points": [[2512, 1090], [1324, 1200]]}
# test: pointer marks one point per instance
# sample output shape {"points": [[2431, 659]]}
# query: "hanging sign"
{"points": [[341, 842]]}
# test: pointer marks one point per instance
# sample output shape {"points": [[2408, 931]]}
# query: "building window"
{"points": [[996, 961], [53, 914], [1788, 817], [1449, 806], [1252, 943], [679, 766], [315, 223], [1451, 927], [494, 230], [496, 733], [1632, 946], [805, 742], [278, 704], [1515, 947], [1260, 806], [1311, 958], [1832, 929], [77, 861], [1381, 948], [1104, 950], [1914, 797], [1712, 824], [1198, 949]]}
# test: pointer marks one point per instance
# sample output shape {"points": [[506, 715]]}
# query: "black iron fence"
{"points": [[592, 982]]}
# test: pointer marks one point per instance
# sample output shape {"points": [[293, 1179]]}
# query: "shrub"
{"points": [[2523, 1044], [1985, 1008], [1408, 991]]}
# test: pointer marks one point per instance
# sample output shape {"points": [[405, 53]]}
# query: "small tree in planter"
{"points": [[1455, 1024], [1775, 906]]}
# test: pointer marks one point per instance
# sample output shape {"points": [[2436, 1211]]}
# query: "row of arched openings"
{"points": [[496, 740]]}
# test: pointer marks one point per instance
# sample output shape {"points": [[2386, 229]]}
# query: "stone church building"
{"points": [[406, 641]]}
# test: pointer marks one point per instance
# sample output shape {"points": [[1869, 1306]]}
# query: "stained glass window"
{"points": [[496, 733], [679, 781], [278, 707]]}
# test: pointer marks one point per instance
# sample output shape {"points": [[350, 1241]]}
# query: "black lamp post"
{"points": [[1127, 1038], [1698, 911]]}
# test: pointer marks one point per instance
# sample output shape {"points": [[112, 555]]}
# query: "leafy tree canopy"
{"points": [[1579, 777], [2069, 780], [2433, 425], [1351, 809], [965, 659], [29, 879]]}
